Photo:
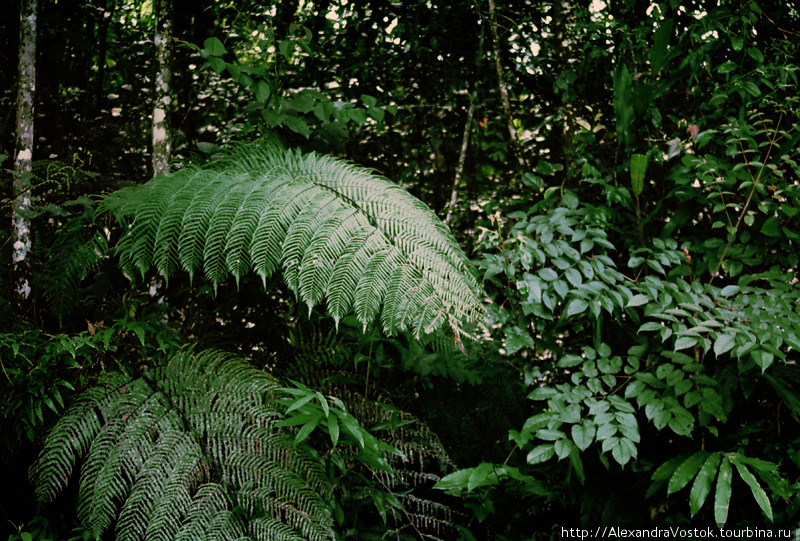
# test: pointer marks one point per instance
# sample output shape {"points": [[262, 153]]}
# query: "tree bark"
{"points": [[23, 164], [161, 108]]}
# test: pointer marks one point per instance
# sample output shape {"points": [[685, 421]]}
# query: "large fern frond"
{"points": [[338, 232], [184, 449]]}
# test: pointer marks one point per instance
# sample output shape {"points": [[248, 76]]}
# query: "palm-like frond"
{"points": [[339, 232], [185, 448]]}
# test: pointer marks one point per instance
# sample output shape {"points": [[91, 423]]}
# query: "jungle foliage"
{"points": [[274, 342]]}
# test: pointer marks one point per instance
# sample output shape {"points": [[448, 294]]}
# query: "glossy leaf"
{"points": [[758, 493], [703, 482], [722, 496], [686, 471]]}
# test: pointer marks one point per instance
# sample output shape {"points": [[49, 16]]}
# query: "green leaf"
{"points": [[583, 435], [623, 103], [702, 483], [550, 435], [287, 48], [763, 359], [358, 115], [307, 429], [299, 403], [728, 291], [548, 274], [338, 233], [297, 125], [624, 451], [667, 469], [604, 430], [376, 113], [516, 339], [684, 342], [724, 343], [686, 471], [756, 55], [457, 479], [771, 227], [637, 300], [541, 453], [568, 361], [333, 429], [722, 497], [479, 475], [727, 67], [758, 493], [303, 102], [651, 326], [217, 64], [262, 91], [214, 46], [609, 365], [571, 414], [351, 425], [638, 168], [658, 51], [574, 277], [576, 307], [752, 89], [542, 393], [563, 448]]}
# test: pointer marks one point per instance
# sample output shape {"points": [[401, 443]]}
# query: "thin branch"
{"points": [[772, 141]]}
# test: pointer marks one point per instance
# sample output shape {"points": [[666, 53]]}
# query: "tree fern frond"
{"points": [[77, 251], [220, 223], [321, 220], [166, 254], [375, 280], [174, 453]]}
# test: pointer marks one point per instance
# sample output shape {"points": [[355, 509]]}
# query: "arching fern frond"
{"points": [[190, 451], [338, 232]]}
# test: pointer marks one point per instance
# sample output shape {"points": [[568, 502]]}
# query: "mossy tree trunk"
{"points": [[161, 108], [24, 147]]}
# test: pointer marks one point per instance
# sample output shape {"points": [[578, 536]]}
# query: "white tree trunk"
{"points": [[24, 145], [161, 108]]}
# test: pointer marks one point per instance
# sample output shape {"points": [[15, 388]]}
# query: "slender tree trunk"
{"points": [[462, 157], [24, 146], [161, 108], [102, 40], [512, 132]]}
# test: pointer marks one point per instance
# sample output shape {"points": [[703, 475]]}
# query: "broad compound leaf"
{"points": [[339, 233]]}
